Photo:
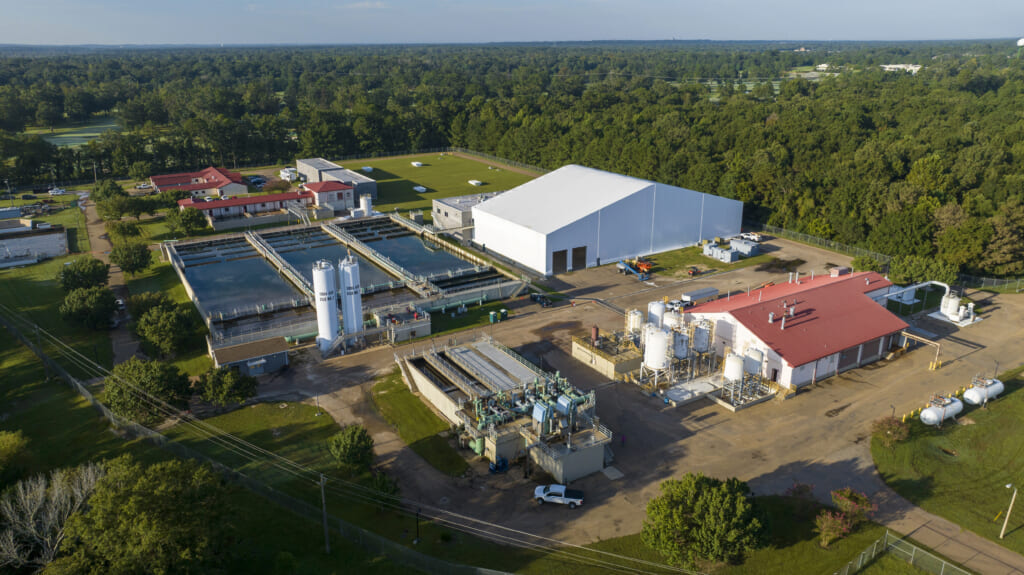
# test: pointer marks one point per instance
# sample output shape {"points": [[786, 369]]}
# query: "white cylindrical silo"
{"points": [[983, 391], [634, 320], [351, 295], [326, 304], [655, 312], [366, 204], [734, 367], [753, 361], [656, 352], [936, 414], [671, 321]]}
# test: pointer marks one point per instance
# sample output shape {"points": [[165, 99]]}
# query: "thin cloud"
{"points": [[363, 6]]}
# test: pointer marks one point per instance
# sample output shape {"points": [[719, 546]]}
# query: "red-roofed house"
{"points": [[809, 330], [208, 182], [332, 194], [217, 209]]}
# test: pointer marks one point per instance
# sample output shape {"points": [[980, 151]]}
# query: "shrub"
{"points": [[801, 491], [352, 447], [889, 431], [855, 505], [831, 526]]}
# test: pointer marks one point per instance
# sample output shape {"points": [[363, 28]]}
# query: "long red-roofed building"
{"points": [[209, 182], [238, 207], [806, 330]]}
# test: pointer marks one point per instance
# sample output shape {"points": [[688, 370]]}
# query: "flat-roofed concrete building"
{"points": [[456, 213], [320, 170]]}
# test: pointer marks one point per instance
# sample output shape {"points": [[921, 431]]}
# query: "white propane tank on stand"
{"points": [[942, 408], [733, 367], [951, 306], [983, 390], [655, 312]]}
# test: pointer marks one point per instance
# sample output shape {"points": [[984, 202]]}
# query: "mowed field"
{"points": [[78, 134], [443, 176]]}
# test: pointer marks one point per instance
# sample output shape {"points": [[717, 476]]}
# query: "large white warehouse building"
{"points": [[577, 217]]}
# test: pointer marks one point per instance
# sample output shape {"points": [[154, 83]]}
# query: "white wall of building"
{"points": [[513, 241]]}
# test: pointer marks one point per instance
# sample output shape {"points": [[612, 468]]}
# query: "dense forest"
{"points": [[928, 165]]}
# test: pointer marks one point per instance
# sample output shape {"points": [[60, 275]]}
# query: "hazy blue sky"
{"points": [[441, 21]]}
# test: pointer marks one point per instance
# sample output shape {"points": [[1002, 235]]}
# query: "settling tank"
{"points": [[701, 339], [983, 390], [656, 350], [942, 408], [734, 367], [655, 312]]}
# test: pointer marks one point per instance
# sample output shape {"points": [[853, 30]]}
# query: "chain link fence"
{"points": [[1012, 285], [822, 242], [905, 550]]}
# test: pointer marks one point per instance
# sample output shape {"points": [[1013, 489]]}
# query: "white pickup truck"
{"points": [[558, 494], [752, 236]]}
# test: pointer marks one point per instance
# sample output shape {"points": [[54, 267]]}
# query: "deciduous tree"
{"points": [[132, 257], [135, 388], [352, 448], [91, 307], [83, 272], [164, 328], [225, 386]]}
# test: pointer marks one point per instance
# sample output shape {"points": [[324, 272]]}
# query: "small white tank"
{"points": [[671, 321], [752, 362], [634, 320], [941, 410], [656, 350], [951, 306], [983, 390], [680, 345], [733, 367], [655, 312]]}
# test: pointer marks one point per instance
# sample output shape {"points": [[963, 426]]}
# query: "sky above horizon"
{"points": [[117, 22]]}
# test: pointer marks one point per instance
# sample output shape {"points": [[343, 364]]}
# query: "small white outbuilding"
{"points": [[577, 217]]}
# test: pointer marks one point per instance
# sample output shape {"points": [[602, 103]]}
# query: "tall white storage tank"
{"points": [[655, 312], [671, 321], [634, 320], [366, 204], [656, 350], [753, 361], [351, 295], [326, 304], [734, 367]]}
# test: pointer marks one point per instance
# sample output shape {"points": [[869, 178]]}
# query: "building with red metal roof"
{"points": [[216, 209], [808, 329], [332, 194], [209, 182]]}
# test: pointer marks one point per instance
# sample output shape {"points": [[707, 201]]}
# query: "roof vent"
{"points": [[867, 281], [771, 317], [792, 311], [783, 322]]}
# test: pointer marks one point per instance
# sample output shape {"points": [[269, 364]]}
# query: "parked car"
{"points": [[752, 236], [540, 298], [143, 186], [675, 305], [27, 197], [558, 494], [57, 192]]}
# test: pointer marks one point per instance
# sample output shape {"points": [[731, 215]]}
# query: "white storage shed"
{"points": [[577, 217]]}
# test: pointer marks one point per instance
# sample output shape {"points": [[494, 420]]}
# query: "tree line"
{"points": [[924, 166]]}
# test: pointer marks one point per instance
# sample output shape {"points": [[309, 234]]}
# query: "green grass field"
{"points": [[34, 292], [675, 263], [443, 176], [268, 536], [73, 221], [416, 424], [475, 316], [160, 277], [958, 472], [76, 134], [890, 564]]}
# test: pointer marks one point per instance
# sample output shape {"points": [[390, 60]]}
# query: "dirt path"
{"points": [[124, 343]]}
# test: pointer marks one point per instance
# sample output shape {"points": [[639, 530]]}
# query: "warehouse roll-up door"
{"points": [[848, 358], [560, 262], [579, 258]]}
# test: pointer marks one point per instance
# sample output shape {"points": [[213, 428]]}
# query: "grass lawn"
{"points": [[269, 536], [76, 134], [160, 277], [416, 424], [791, 546], [890, 564], [34, 292], [443, 176], [958, 472], [675, 263], [73, 221], [475, 316]]}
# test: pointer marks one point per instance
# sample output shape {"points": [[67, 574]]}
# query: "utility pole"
{"points": [[1008, 511], [323, 502]]}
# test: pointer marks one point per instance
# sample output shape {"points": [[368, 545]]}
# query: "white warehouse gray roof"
{"points": [[563, 196]]}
